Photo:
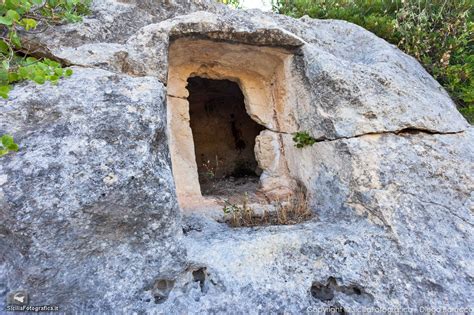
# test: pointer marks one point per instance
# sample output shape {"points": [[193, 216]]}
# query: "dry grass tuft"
{"points": [[293, 210]]}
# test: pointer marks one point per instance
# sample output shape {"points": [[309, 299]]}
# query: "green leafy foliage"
{"points": [[468, 112], [303, 139], [375, 15], [7, 145], [232, 3], [439, 33], [16, 64], [26, 15]]}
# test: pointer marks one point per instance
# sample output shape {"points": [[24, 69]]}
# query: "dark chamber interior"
{"points": [[223, 133]]}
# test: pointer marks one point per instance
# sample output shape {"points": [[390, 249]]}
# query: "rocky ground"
{"points": [[232, 188]]}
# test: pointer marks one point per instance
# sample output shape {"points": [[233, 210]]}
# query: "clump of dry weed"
{"points": [[293, 210]]}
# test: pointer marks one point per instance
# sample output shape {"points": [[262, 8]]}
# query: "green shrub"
{"points": [[377, 16], [439, 33], [303, 139], [468, 112]]}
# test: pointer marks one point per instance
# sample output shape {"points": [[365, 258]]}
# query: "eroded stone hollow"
{"points": [[229, 107], [223, 133]]}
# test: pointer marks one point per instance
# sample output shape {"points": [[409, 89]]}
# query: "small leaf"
{"points": [[39, 79], [15, 39], [4, 89], [52, 63], [23, 72], [29, 23], [7, 140], [69, 72], [13, 15], [5, 20], [31, 60], [13, 147], [13, 77], [11, 4], [3, 76], [44, 67], [4, 47]]}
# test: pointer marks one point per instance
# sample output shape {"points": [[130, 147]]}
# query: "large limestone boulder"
{"points": [[89, 206], [92, 198]]}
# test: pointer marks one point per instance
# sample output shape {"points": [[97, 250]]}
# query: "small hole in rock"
{"points": [[161, 290], [357, 290], [322, 292], [199, 275]]}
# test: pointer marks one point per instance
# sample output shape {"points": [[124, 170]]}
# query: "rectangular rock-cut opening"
{"points": [[224, 137], [230, 108]]}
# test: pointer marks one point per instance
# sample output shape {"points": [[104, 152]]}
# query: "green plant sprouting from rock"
{"points": [[7, 145], [303, 139], [16, 61]]}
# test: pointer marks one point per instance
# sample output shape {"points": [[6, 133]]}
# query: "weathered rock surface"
{"points": [[357, 82], [395, 231], [88, 209]]}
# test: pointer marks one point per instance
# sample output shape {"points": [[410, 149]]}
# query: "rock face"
{"points": [[95, 182], [89, 208]]}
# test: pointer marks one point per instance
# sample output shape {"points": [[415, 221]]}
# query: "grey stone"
{"points": [[358, 83], [89, 213], [89, 217]]}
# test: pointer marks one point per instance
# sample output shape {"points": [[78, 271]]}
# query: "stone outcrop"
{"points": [[94, 183], [89, 205]]}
